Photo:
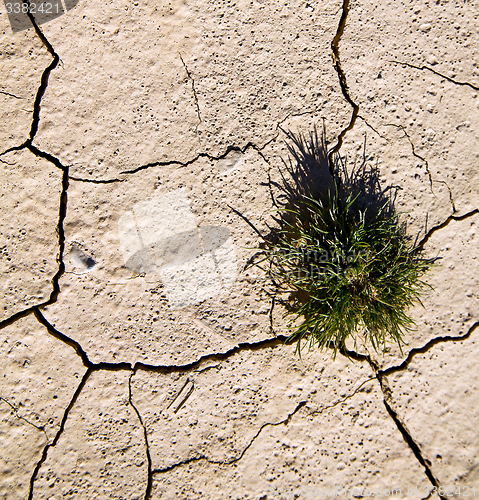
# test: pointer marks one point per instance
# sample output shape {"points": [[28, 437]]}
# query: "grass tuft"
{"points": [[347, 262]]}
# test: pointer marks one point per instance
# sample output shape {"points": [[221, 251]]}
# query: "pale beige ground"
{"points": [[113, 383]]}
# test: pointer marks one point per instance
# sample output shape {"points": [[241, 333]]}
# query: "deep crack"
{"points": [[55, 161], [14, 148], [413, 446], [45, 75], [60, 229], [245, 346], [343, 83], [59, 433], [62, 337], [444, 224], [401, 425], [38, 98], [61, 239], [425, 348]]}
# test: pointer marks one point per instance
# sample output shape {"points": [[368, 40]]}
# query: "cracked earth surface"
{"points": [[123, 377]]}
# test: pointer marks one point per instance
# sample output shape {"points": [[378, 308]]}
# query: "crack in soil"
{"points": [[413, 148], [316, 412], [413, 446], [399, 422], [62, 337], [372, 128], [17, 415], [429, 495], [6, 162], [166, 163], [38, 98], [45, 75], [56, 162], [229, 149], [284, 421], [10, 95], [426, 163], [14, 148], [245, 346], [61, 240], [94, 181], [343, 83], [165, 369], [149, 482], [425, 348], [422, 68], [193, 88], [59, 433], [444, 224], [60, 229], [401, 425]]}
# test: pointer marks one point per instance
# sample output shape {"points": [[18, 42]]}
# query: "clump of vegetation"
{"points": [[343, 255]]}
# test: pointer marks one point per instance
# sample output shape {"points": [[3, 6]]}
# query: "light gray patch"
{"points": [[178, 249], [142, 262], [214, 237]]}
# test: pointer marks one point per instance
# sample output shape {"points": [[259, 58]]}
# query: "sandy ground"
{"points": [[139, 359]]}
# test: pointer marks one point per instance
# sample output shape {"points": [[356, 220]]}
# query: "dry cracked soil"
{"points": [[140, 357]]}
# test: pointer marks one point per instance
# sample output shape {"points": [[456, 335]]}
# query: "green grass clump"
{"points": [[349, 271]]}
